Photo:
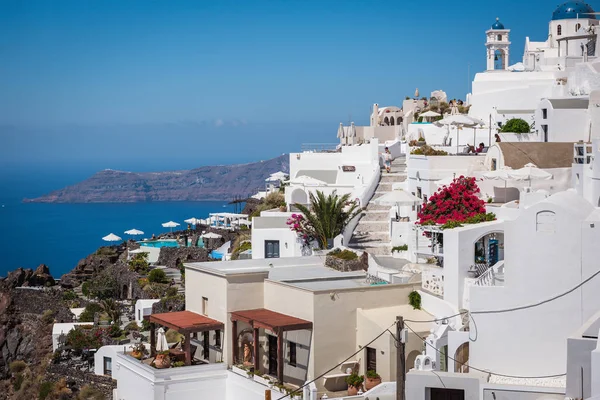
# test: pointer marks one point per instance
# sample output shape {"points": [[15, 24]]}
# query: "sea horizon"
{"points": [[61, 234]]}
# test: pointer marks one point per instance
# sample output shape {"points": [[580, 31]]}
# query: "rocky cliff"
{"points": [[221, 182]]}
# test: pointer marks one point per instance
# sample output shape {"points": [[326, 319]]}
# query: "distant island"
{"points": [[221, 182]]}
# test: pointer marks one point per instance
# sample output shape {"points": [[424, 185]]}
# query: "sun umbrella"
{"points": [[170, 224], [242, 222], [499, 174], [351, 131], [307, 181], [192, 221], [161, 340], [112, 238], [340, 133], [211, 235], [134, 232], [528, 173], [460, 121], [397, 197]]}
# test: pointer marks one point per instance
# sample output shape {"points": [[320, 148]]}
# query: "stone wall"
{"points": [[360, 264]]}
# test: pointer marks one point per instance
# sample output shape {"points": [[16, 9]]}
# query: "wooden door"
{"points": [[272, 355]]}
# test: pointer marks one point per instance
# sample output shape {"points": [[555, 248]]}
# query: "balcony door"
{"points": [[271, 248], [272, 355]]}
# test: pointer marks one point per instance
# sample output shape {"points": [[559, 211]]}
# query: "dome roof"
{"points": [[573, 9], [498, 25]]}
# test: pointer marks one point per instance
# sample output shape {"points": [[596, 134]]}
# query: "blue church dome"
{"points": [[498, 25], [573, 9]]}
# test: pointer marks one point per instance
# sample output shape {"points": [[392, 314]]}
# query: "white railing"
{"points": [[432, 280], [488, 278]]}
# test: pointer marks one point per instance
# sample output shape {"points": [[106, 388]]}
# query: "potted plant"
{"points": [[138, 351], [354, 382], [373, 379], [400, 251], [162, 360]]}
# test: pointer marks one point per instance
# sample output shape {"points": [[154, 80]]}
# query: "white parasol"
{"points": [[528, 173], [112, 238], [397, 197], [211, 235], [161, 340], [499, 174], [170, 224], [340, 133], [193, 221], [134, 232], [307, 181]]}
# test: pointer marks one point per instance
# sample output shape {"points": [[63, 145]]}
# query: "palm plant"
{"points": [[327, 216], [111, 308]]}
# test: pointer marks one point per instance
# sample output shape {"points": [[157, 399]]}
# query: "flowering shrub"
{"points": [[299, 224], [79, 338], [455, 203]]}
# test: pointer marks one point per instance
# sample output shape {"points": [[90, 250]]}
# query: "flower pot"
{"points": [[162, 361], [352, 390], [136, 354], [370, 383]]}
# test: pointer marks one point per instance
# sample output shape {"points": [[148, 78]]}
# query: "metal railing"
{"points": [[319, 147]]}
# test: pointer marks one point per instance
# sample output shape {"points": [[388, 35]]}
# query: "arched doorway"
{"points": [[410, 359], [386, 121], [392, 121], [399, 121], [461, 358]]}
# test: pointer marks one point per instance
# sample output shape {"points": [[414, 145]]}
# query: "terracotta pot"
{"points": [[162, 361], [370, 383], [352, 390]]}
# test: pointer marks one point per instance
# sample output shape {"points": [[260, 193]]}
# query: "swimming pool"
{"points": [[215, 255], [159, 243]]}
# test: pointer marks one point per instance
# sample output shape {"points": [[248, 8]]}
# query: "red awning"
{"points": [[186, 321]]}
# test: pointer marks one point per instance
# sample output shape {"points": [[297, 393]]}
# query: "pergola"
{"points": [[275, 322], [184, 322]]}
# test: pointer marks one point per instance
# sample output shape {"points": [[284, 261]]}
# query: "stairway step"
{"points": [[378, 216], [373, 226]]}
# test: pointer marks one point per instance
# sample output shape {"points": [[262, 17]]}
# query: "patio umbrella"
{"points": [[397, 197], [429, 114], [499, 174], [528, 173], [307, 181], [460, 121], [211, 235], [351, 132], [161, 340], [192, 221], [134, 232], [170, 224], [111, 238], [340, 133]]}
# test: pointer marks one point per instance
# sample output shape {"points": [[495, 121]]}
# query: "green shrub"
{"points": [[172, 291], [516, 125], [56, 357], [85, 289], [177, 364], [19, 378], [426, 150], [88, 313], [139, 263], [346, 254], [114, 331], [404, 247], [421, 139], [157, 276], [89, 393], [145, 325], [355, 380], [69, 295], [132, 326], [414, 299], [17, 366], [372, 375], [45, 389], [48, 317]]}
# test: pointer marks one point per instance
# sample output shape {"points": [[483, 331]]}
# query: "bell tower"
{"points": [[498, 47]]}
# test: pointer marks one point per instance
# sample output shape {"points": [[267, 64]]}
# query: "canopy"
{"points": [[211, 235], [134, 232], [307, 181], [397, 197], [193, 221], [242, 222], [529, 172], [170, 224], [277, 176], [161, 340], [430, 114], [518, 67], [112, 238], [445, 182]]}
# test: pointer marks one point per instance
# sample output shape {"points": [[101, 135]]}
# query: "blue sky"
{"points": [[90, 81]]}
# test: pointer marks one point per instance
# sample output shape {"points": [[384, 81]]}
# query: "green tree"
{"points": [[157, 276], [112, 309], [88, 313], [516, 125], [327, 216]]}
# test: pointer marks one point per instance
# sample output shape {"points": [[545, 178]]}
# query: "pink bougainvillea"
{"points": [[456, 202], [299, 224]]}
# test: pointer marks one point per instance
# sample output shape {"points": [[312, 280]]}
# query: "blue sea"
{"points": [[59, 235]]}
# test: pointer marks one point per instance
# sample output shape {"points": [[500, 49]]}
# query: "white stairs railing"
{"points": [[488, 277]]}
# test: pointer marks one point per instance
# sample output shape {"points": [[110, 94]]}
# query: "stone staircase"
{"points": [[372, 234]]}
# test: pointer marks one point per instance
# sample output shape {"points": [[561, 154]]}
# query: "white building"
{"points": [[61, 330], [143, 308]]}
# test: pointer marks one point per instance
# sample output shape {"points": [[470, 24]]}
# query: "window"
{"points": [[371, 359], [292, 346], [218, 338], [494, 164], [577, 27], [499, 38], [205, 345], [107, 366], [419, 193], [545, 221], [204, 306], [545, 131], [271, 248], [559, 30], [544, 113], [140, 315]]}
